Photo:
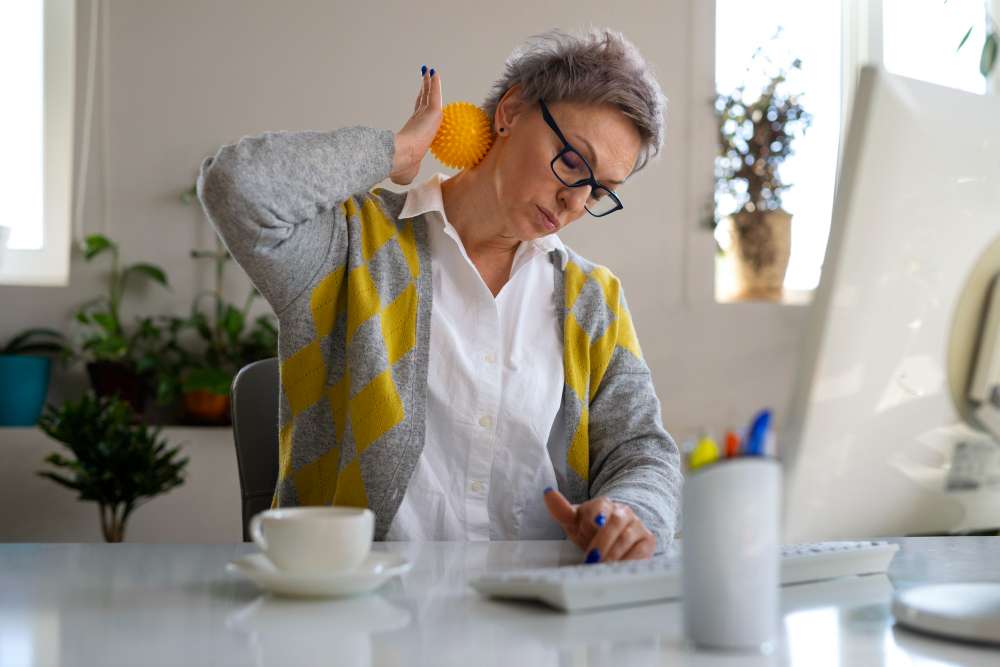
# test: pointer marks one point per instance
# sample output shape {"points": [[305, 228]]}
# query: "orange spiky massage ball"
{"points": [[464, 137]]}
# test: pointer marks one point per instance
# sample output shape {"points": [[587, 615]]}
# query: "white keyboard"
{"points": [[576, 587]]}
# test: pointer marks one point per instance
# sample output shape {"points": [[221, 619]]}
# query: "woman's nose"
{"points": [[574, 199]]}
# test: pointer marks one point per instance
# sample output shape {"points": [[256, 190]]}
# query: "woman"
{"points": [[445, 360]]}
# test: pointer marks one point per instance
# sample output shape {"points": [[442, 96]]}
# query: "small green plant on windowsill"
{"points": [[202, 353], [116, 463], [118, 359]]}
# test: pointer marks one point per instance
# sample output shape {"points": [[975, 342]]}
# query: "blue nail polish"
{"points": [[548, 489], [594, 556], [599, 520], [423, 70], [432, 71]]}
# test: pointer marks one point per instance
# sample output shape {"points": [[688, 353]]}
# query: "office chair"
{"points": [[254, 398]]}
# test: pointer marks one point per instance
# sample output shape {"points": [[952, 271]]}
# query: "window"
{"points": [[913, 38], [37, 44], [811, 32], [920, 40]]}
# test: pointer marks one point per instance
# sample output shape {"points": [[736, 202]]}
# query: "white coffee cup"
{"points": [[315, 539]]}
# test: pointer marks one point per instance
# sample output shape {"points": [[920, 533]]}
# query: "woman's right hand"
{"points": [[416, 136]]}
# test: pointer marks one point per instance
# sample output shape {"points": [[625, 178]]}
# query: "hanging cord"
{"points": [[106, 111], [88, 112]]}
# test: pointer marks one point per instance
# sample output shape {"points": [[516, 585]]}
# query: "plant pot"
{"points": [[204, 407], [24, 384], [111, 377], [762, 245]]}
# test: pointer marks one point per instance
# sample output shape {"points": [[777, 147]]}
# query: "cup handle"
{"points": [[255, 533]]}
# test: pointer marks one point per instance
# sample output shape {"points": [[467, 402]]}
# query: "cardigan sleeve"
{"points": [[633, 459], [274, 199]]}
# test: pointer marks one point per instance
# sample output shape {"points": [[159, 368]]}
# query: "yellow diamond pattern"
{"points": [[578, 456], [351, 486], [316, 482], [374, 410], [377, 407], [303, 377], [323, 302]]}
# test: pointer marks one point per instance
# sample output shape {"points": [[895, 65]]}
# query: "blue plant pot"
{"points": [[24, 383]]}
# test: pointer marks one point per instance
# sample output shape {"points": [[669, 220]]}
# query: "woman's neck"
{"points": [[470, 203]]}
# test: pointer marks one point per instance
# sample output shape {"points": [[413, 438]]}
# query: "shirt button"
{"points": [[486, 421], [491, 358], [477, 486]]}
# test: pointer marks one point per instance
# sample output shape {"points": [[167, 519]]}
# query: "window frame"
{"points": [[861, 43], [49, 265]]}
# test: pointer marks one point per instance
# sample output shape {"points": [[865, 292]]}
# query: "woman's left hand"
{"points": [[604, 529]]}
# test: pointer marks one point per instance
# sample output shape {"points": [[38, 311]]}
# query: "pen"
{"points": [[705, 452], [756, 439], [732, 444]]}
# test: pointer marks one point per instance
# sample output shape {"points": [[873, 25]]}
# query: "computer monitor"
{"points": [[889, 428]]}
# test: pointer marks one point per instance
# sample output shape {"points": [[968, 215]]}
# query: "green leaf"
{"points": [[964, 39], [151, 270], [146, 363], [111, 347], [38, 349], [989, 55], [60, 479], [106, 322], [190, 195], [96, 244], [201, 325], [29, 339], [214, 380], [232, 323]]}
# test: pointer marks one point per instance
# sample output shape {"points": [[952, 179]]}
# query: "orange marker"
{"points": [[732, 444]]}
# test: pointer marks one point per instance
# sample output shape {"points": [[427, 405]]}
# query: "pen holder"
{"points": [[730, 532]]}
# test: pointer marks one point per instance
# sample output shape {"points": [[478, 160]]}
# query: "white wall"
{"points": [[184, 77]]}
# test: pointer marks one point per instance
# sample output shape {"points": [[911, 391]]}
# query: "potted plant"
{"points": [[755, 138], [117, 463], [203, 352], [25, 364], [118, 360]]}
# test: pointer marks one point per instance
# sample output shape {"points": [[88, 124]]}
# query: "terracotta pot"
{"points": [[204, 407], [762, 246], [111, 377]]}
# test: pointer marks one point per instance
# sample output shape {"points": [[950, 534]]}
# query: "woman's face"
{"points": [[524, 180]]}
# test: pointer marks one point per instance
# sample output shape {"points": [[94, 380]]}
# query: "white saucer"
{"points": [[373, 572], [968, 611]]}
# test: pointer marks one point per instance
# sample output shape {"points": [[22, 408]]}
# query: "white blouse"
{"points": [[495, 382]]}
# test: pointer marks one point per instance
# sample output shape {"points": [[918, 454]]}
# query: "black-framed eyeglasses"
{"points": [[573, 170]]}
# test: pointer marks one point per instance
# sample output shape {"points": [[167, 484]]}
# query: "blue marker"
{"points": [[757, 438]]}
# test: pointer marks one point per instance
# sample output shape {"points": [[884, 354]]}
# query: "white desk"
{"points": [[139, 604]]}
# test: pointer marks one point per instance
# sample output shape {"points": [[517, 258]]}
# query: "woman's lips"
{"points": [[548, 221]]}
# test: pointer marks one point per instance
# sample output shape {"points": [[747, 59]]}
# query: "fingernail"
{"points": [[594, 556], [432, 71], [599, 520], [423, 70], [548, 489]]}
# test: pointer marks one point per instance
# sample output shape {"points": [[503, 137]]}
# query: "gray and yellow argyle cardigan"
{"points": [[350, 283]]}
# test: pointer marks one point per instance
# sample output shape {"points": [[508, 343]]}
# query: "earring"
{"points": [[502, 130]]}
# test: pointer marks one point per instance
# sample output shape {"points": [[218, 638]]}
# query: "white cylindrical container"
{"points": [[730, 533]]}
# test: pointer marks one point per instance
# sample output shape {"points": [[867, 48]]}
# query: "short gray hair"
{"points": [[597, 66]]}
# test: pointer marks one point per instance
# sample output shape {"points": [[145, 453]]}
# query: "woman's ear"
{"points": [[511, 106]]}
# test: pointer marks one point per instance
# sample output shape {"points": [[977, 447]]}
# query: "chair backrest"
{"points": [[254, 398]]}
